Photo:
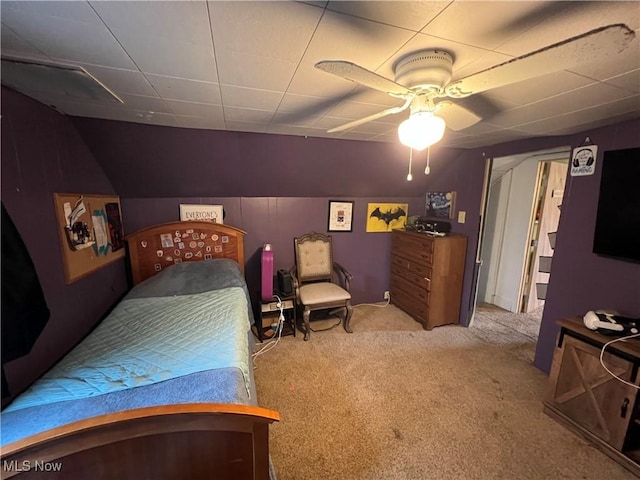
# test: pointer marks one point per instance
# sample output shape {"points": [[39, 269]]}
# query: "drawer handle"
{"points": [[623, 408]]}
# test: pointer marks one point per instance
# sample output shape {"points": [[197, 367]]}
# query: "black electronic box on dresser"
{"points": [[427, 271]]}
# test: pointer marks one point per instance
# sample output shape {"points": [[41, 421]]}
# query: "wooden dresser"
{"points": [[426, 276]]}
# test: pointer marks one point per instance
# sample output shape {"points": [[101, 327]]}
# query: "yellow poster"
{"points": [[384, 217]]}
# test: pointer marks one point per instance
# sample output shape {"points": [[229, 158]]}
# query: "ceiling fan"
{"points": [[423, 81]]}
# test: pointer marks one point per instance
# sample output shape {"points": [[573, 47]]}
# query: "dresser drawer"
{"points": [[404, 264], [418, 311], [418, 248], [413, 272], [418, 293]]}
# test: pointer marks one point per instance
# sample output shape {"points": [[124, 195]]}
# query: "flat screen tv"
{"points": [[617, 232]]}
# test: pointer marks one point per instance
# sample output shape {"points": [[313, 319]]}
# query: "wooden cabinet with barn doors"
{"points": [[588, 399], [426, 276]]}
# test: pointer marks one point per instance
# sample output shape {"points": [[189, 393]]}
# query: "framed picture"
{"points": [[384, 217], [340, 216], [440, 204], [202, 213]]}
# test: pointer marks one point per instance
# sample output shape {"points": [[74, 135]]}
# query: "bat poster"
{"points": [[384, 217]]}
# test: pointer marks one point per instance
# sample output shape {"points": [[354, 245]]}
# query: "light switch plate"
{"points": [[462, 216]]}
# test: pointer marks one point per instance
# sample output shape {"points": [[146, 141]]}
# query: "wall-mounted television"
{"points": [[617, 232]]}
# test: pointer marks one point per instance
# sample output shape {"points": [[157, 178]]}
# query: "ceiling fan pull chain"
{"points": [[427, 169], [409, 176]]}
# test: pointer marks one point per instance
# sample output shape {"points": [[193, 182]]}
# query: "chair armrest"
{"points": [[344, 275], [295, 283]]}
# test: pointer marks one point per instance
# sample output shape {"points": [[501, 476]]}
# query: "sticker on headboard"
{"points": [[166, 239]]}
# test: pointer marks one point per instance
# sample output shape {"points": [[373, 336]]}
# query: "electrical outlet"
{"points": [[386, 295]]}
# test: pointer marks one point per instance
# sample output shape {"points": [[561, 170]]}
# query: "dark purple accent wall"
{"points": [[42, 153], [277, 186], [146, 161], [581, 281]]}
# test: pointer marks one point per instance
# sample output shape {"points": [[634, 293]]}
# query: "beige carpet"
{"points": [[392, 401]]}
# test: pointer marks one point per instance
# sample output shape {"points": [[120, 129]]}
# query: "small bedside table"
{"points": [[270, 312]]}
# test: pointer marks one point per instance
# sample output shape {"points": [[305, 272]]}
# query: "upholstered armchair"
{"points": [[319, 282]]}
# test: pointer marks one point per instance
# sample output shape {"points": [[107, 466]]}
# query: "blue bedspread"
{"points": [[148, 340], [182, 336]]}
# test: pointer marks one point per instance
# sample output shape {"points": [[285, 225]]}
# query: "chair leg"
{"points": [[347, 318], [307, 327]]}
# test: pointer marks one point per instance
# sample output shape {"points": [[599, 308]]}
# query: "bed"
{"points": [[163, 387]]}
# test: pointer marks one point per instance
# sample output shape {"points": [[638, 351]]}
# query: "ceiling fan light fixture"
{"points": [[421, 130]]}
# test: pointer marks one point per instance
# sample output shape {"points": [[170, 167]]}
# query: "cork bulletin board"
{"points": [[91, 233]]}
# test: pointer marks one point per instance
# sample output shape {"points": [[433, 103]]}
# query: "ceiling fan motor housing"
{"points": [[425, 69]]}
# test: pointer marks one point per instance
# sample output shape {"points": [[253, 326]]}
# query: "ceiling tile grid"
{"points": [[249, 66]]}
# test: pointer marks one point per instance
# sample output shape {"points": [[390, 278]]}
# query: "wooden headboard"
{"points": [[153, 249]]}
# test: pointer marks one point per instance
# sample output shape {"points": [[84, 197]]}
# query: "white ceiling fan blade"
{"points": [[358, 74], [456, 116], [591, 46], [375, 116]]}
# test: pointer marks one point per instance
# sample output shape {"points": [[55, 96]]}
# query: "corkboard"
{"points": [[91, 234]]}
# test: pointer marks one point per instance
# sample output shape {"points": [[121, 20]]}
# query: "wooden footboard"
{"points": [[194, 441]]}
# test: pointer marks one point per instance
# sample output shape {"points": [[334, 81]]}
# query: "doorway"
{"points": [[523, 195]]}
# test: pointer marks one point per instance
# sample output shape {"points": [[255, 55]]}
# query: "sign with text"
{"points": [[583, 160], [201, 213]]}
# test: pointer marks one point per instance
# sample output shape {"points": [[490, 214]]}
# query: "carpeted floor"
{"points": [[392, 401]]}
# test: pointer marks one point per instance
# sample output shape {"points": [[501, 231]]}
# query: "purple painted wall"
{"points": [[276, 187], [146, 161], [581, 281], [42, 153]]}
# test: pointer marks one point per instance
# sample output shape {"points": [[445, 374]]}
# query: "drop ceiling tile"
{"points": [[576, 19], [577, 100], [488, 24], [193, 109], [536, 89], [117, 113], [629, 81], [83, 39], [576, 120], [233, 96], [265, 52], [172, 88], [366, 43], [246, 127], [410, 15], [247, 115], [121, 81], [155, 37], [379, 127], [306, 104], [200, 122], [15, 46], [147, 104], [626, 61], [357, 110], [285, 119]]}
